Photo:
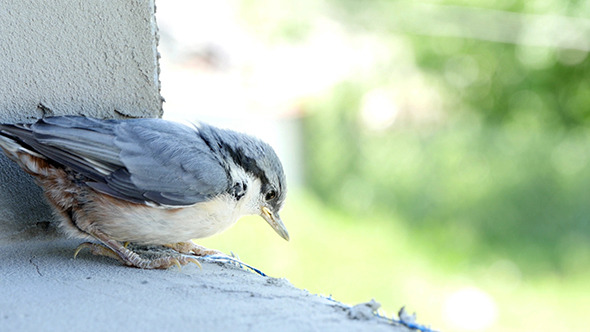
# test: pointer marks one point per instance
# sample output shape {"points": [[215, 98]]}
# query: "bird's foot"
{"points": [[154, 259], [190, 248], [132, 258]]}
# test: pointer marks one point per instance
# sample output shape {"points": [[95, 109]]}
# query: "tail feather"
{"points": [[15, 148]]}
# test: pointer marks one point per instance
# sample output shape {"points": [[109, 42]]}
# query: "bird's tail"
{"points": [[16, 149]]}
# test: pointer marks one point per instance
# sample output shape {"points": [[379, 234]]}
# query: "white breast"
{"points": [[153, 225]]}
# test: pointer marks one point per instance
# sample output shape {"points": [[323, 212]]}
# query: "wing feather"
{"points": [[140, 160]]}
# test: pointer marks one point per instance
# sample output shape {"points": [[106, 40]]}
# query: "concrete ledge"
{"points": [[44, 288]]}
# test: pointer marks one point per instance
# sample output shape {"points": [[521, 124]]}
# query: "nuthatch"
{"points": [[148, 181]]}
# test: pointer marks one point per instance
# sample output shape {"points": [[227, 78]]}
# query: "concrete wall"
{"points": [[91, 57]]}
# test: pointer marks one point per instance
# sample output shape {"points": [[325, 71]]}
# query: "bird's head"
{"points": [[257, 159]]}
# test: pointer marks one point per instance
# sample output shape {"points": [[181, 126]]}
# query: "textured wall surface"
{"points": [[90, 57], [78, 56]]}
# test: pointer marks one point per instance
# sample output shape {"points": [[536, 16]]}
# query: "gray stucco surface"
{"points": [[86, 57]]}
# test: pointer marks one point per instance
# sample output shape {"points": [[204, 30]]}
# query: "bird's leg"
{"points": [[190, 248], [128, 257]]}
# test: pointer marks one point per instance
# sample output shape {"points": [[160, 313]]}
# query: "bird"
{"points": [[147, 181]]}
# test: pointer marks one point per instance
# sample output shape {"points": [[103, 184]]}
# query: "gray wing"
{"points": [[140, 160]]}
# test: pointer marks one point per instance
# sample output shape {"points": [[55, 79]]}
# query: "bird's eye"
{"points": [[270, 195]]}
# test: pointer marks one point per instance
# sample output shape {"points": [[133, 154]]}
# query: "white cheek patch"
{"points": [[250, 203]]}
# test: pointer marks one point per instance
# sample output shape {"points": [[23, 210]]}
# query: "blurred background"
{"points": [[437, 152]]}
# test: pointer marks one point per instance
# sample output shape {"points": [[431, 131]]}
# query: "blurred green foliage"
{"points": [[476, 191], [505, 174], [511, 83]]}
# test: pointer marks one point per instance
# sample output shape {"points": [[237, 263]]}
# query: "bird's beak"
{"points": [[275, 222]]}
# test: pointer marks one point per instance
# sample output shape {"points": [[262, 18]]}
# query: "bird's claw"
{"points": [[79, 248], [177, 263], [193, 249], [181, 261], [195, 261]]}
